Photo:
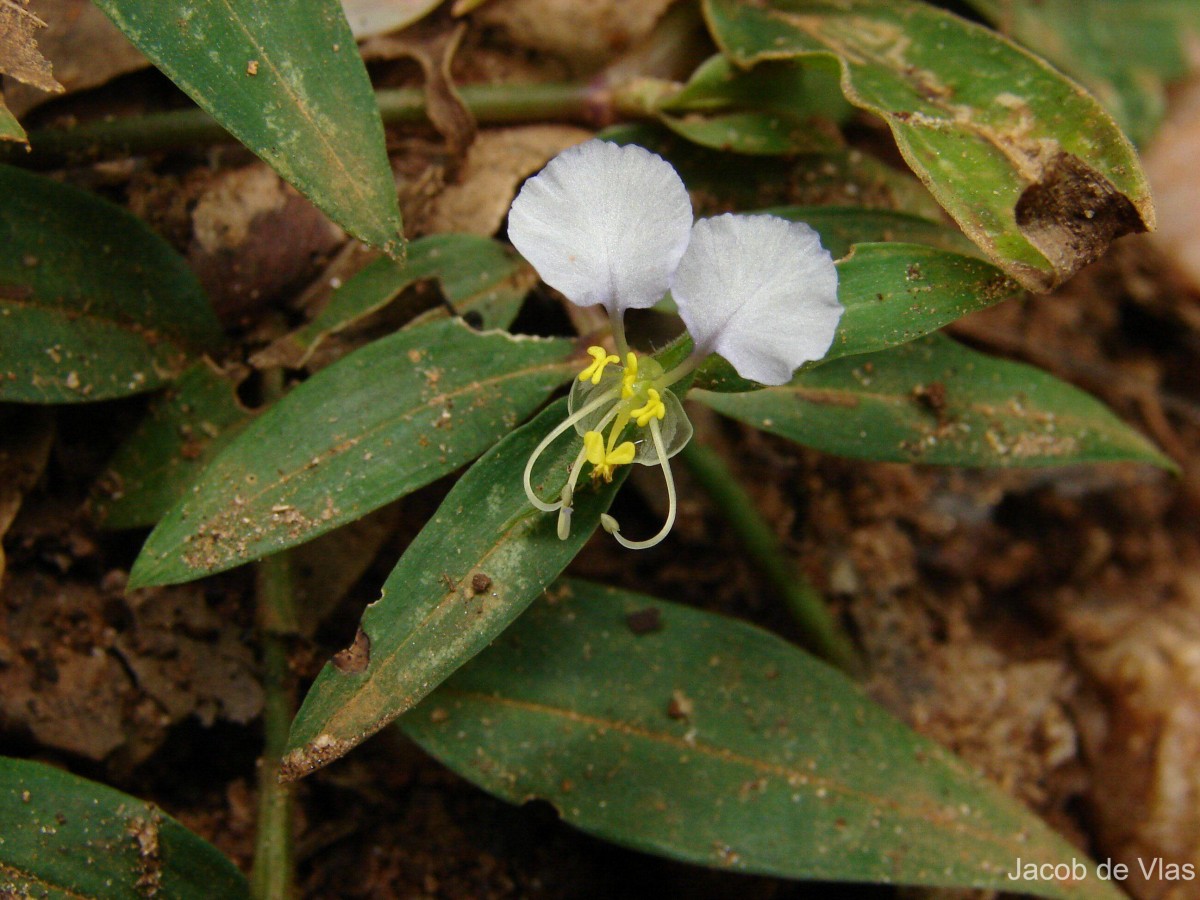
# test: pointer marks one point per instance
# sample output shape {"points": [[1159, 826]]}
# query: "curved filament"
{"points": [[562, 426], [612, 527]]}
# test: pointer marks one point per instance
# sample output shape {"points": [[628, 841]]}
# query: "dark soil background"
{"points": [[1043, 624]]}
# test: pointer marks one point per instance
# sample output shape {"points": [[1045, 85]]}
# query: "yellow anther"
{"points": [[593, 442], [654, 409], [600, 359], [622, 456], [605, 461], [630, 375]]}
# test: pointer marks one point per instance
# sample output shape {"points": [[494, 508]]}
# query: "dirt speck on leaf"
{"points": [[324, 748], [680, 706], [645, 621], [145, 832]]}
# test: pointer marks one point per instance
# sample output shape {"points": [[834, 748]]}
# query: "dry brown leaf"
{"points": [[1141, 729], [1170, 162], [584, 33], [187, 659], [88, 671], [19, 54], [84, 47], [254, 238], [495, 166], [29, 432], [434, 51]]}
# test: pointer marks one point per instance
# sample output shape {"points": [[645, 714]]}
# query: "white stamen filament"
{"points": [[612, 527], [568, 491], [568, 422], [568, 496]]}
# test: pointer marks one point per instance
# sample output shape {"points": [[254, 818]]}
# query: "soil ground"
{"points": [[1042, 624]]}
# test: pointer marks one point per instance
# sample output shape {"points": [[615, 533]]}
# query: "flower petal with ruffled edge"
{"points": [[760, 291], [604, 224]]}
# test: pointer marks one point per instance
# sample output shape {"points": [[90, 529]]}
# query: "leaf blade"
{"points": [[339, 445], [69, 837], [776, 764], [1025, 161], [93, 304], [720, 182], [290, 86], [935, 401], [455, 588], [10, 128], [841, 227], [772, 110], [476, 274], [182, 431], [1126, 52]]}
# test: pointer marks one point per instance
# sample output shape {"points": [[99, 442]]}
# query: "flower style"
{"points": [[612, 225]]}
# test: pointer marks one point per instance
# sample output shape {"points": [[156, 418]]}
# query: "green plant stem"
{"points": [[821, 633], [491, 104], [273, 875]]}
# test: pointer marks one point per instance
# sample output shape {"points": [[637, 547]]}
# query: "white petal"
{"points": [[760, 291], [604, 224]]}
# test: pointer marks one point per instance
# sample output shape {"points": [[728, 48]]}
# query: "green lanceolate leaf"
{"points": [[1029, 165], [93, 304], [483, 557], [10, 128], [182, 432], [67, 838], [714, 742], [892, 293], [379, 423], [841, 227], [935, 401], [476, 274], [720, 181], [770, 110], [1125, 52], [286, 81]]}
